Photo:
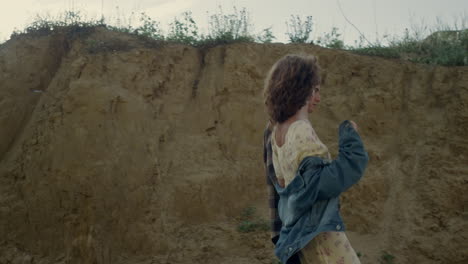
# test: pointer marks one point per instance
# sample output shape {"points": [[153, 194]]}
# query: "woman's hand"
{"points": [[281, 182], [354, 125]]}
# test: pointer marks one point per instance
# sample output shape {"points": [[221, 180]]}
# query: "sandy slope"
{"points": [[114, 150]]}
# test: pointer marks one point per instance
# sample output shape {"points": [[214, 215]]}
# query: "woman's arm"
{"points": [[324, 180], [349, 166]]}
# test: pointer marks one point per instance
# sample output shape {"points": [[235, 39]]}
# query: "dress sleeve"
{"points": [[305, 143]]}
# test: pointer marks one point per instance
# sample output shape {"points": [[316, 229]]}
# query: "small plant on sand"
{"points": [[247, 213], [298, 30], [250, 223], [386, 258]]}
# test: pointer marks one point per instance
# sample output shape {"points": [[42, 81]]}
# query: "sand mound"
{"points": [[116, 150]]}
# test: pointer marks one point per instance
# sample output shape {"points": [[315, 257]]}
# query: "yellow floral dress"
{"points": [[302, 141]]}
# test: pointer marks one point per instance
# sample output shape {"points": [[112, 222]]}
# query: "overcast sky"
{"points": [[374, 18]]}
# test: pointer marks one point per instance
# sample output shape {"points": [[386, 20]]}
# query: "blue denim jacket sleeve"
{"points": [[348, 168], [331, 179]]}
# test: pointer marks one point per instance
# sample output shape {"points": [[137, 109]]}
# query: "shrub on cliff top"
{"points": [[331, 40], [438, 49], [148, 28], [228, 28], [445, 46], [184, 30], [223, 27], [299, 31], [46, 24]]}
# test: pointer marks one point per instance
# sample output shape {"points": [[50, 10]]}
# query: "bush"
{"points": [[266, 36], [226, 28], [223, 28], [445, 46], [297, 30], [184, 31], [331, 40], [148, 28], [46, 24]]}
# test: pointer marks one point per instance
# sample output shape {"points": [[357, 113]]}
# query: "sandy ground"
{"points": [[117, 150]]}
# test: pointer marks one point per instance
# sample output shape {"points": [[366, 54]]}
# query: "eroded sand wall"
{"points": [[149, 154]]}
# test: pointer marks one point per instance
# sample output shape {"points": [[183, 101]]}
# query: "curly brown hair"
{"points": [[289, 83]]}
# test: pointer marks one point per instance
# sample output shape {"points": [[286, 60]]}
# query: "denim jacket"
{"points": [[310, 204]]}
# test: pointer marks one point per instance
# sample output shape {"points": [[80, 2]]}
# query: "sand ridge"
{"points": [[125, 153]]}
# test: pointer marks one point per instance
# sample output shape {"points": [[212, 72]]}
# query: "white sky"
{"points": [[372, 17]]}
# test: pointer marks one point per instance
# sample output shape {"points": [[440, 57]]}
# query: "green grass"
{"points": [[437, 49], [437, 45], [224, 28], [386, 258], [72, 21], [250, 222]]}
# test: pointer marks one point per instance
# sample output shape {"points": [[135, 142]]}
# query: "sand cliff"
{"points": [[113, 150]]}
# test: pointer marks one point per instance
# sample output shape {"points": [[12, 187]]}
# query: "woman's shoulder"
{"points": [[301, 127], [297, 130]]}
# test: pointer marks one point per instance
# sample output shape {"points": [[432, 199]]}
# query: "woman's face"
{"points": [[314, 99]]}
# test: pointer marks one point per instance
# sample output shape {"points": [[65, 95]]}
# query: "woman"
{"points": [[308, 182]]}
